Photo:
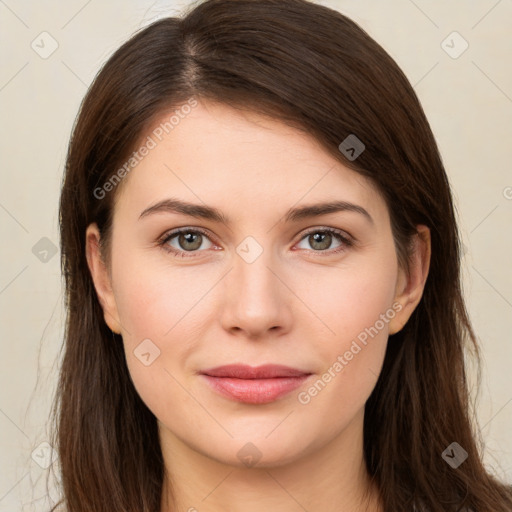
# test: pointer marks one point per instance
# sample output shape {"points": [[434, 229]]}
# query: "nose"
{"points": [[257, 304]]}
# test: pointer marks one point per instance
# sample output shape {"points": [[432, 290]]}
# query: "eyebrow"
{"points": [[293, 214]]}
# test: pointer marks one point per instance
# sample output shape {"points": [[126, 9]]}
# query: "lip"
{"points": [[254, 385], [243, 371]]}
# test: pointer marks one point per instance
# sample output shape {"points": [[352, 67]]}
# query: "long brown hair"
{"points": [[311, 67]]}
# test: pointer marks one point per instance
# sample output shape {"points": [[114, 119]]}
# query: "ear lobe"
{"points": [[409, 289], [101, 278]]}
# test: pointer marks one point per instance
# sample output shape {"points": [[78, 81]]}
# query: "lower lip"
{"points": [[255, 391]]}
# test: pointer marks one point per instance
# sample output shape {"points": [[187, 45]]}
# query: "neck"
{"points": [[332, 478]]}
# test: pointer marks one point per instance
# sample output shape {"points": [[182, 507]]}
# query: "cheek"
{"points": [[162, 311], [355, 305], [349, 299], [156, 300], [156, 313]]}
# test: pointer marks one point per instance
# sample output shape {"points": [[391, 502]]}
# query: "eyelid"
{"points": [[176, 231], [320, 229]]}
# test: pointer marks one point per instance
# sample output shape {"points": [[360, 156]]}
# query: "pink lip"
{"points": [[254, 385]]}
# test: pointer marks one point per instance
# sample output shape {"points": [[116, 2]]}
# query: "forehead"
{"points": [[233, 159]]}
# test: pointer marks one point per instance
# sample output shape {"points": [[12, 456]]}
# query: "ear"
{"points": [[101, 278], [409, 288]]}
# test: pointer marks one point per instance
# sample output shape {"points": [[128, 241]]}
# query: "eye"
{"points": [[182, 241], [322, 239], [193, 240]]}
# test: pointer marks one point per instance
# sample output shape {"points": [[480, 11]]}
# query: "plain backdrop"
{"points": [[463, 79]]}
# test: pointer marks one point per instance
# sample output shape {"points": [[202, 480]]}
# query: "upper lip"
{"points": [[242, 371]]}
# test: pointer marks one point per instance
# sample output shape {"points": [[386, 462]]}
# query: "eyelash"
{"points": [[163, 242]]}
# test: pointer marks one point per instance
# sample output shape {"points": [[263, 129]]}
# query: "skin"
{"points": [[295, 305]]}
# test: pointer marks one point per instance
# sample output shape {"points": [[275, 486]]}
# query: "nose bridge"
{"points": [[254, 277]]}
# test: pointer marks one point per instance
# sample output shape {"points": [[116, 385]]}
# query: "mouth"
{"points": [[254, 385]]}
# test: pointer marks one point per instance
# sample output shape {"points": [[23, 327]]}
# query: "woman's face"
{"points": [[263, 274]]}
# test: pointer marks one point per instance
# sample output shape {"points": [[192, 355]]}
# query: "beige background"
{"points": [[468, 100]]}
